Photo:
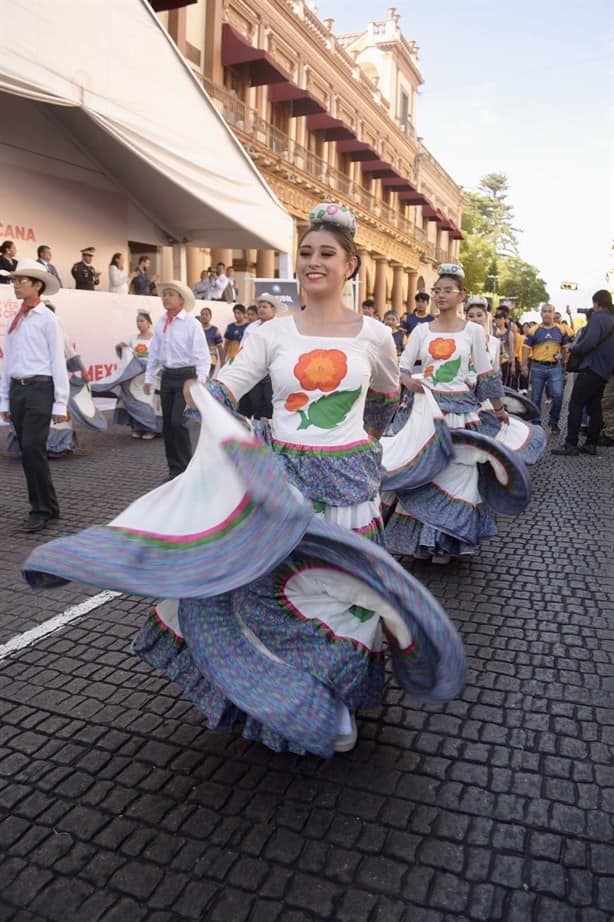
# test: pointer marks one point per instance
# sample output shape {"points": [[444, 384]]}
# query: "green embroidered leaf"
{"points": [[363, 614], [318, 505], [446, 372], [328, 411], [304, 423]]}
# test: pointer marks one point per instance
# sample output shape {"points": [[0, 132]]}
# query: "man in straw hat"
{"points": [[85, 276], [34, 388], [178, 350]]}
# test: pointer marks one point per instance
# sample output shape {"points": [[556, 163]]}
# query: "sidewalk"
{"points": [[118, 805]]}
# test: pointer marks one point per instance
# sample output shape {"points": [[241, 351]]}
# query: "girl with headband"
{"points": [[283, 604], [446, 516]]}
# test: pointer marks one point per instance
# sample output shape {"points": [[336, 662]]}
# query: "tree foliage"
{"points": [[521, 280], [489, 251]]}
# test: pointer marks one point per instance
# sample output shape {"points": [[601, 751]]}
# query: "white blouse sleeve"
{"points": [[249, 366], [385, 367], [411, 352]]}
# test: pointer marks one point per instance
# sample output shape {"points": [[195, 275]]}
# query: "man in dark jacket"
{"points": [[596, 350]]}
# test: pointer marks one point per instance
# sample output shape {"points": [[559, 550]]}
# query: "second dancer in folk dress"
{"points": [[447, 516]]}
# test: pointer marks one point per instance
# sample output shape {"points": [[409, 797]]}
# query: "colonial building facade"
{"points": [[326, 117]]}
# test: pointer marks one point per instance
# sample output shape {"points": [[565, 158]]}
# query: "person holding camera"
{"points": [[592, 356]]}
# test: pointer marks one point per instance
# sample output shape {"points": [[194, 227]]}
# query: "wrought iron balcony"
{"points": [[256, 135]]}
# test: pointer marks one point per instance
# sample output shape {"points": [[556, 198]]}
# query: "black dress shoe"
{"points": [[587, 449], [33, 524], [567, 450]]}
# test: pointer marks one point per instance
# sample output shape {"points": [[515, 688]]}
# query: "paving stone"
{"points": [[441, 813], [450, 892], [313, 894]]}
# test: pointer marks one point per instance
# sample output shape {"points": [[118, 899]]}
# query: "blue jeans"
{"points": [[552, 375]]}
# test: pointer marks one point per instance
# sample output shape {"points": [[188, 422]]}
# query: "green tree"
{"points": [[489, 251], [520, 280], [476, 256], [498, 214]]}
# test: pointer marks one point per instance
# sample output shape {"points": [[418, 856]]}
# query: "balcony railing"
{"points": [[248, 122]]}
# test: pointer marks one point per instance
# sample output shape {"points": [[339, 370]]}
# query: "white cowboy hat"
{"points": [[186, 293], [34, 270], [270, 299]]}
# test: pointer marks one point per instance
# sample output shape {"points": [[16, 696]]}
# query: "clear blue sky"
{"points": [[527, 89]]}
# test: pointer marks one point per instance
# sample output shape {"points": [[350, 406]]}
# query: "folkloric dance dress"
{"points": [[443, 486], [134, 408], [283, 605]]}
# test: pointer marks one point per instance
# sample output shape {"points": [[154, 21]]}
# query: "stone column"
{"points": [[179, 263], [166, 263], [381, 266], [397, 288], [221, 256], [412, 287], [265, 264], [196, 264], [362, 276]]}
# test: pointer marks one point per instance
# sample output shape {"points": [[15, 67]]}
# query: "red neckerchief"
{"points": [[169, 320], [21, 313]]}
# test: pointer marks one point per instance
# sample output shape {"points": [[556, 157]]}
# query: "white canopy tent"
{"points": [[110, 77]]}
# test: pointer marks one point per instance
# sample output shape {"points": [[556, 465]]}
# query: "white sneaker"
{"points": [[136, 435], [148, 436], [441, 558], [421, 555], [345, 742]]}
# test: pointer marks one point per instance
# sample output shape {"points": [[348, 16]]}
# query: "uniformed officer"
{"points": [[85, 276]]}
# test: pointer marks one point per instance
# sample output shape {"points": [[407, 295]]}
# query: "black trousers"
{"points": [[30, 406], [587, 391], [177, 443]]}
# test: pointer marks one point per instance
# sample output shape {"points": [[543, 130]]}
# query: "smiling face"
{"points": [[391, 320], [477, 314], [322, 265], [266, 311]]}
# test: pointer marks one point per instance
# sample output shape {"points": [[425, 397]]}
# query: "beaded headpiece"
{"points": [[331, 213], [452, 269], [477, 301]]}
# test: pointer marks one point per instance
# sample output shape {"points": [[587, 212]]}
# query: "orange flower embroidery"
{"points": [[429, 371], [140, 349], [322, 369], [442, 348], [296, 402]]}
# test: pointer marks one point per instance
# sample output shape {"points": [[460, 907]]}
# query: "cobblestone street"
{"points": [[118, 805]]}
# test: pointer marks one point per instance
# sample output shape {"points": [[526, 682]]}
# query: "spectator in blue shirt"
{"points": [[141, 283], [421, 313]]}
